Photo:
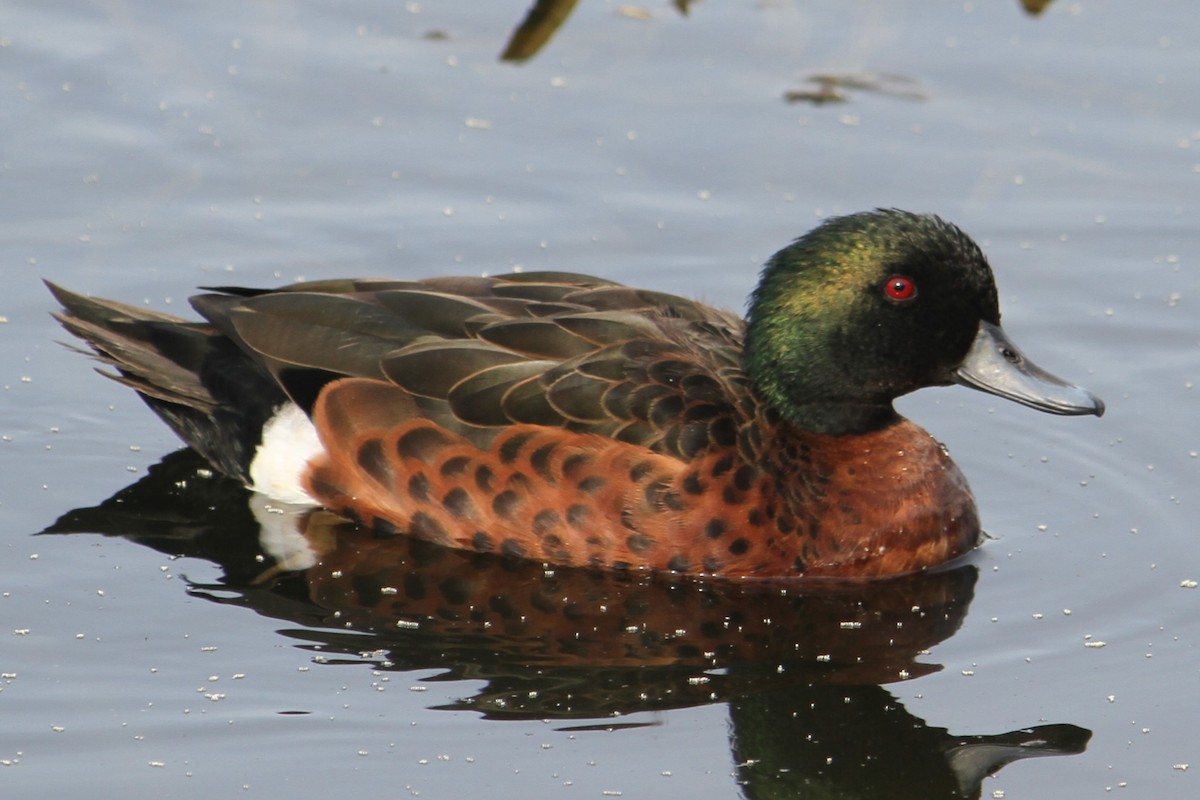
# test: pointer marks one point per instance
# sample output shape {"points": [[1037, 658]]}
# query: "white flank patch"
{"points": [[289, 442]]}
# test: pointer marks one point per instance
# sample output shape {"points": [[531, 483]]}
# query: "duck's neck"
{"points": [[811, 405], [838, 417], [792, 358]]}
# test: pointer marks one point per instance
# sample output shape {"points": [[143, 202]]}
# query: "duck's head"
{"points": [[870, 306]]}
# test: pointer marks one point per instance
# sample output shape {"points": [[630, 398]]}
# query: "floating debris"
{"points": [[634, 12], [835, 88]]}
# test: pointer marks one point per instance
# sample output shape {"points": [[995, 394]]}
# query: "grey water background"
{"points": [[147, 148]]}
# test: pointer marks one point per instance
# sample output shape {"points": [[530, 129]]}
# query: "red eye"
{"points": [[900, 289]]}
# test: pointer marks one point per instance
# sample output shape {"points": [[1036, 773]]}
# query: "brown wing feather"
{"points": [[481, 353]]}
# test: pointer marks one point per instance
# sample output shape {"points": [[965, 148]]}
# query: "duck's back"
{"points": [[477, 355]]}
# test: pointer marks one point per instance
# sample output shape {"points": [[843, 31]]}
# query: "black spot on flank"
{"points": [[546, 521], [620, 565], [639, 543], [712, 564], [785, 524], [591, 483], [319, 487], [371, 458], [421, 443], [640, 470], [723, 465], [455, 466], [731, 495], [627, 519], [715, 528], [672, 500], [755, 517], [814, 527], [744, 477], [426, 527], [483, 478], [418, 487], [482, 542], [692, 484], [573, 462], [739, 547], [505, 504], [519, 482], [511, 449], [458, 502], [578, 515], [540, 461], [799, 564], [678, 563], [512, 548]]}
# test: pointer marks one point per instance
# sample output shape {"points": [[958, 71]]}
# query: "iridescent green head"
{"points": [[871, 306]]}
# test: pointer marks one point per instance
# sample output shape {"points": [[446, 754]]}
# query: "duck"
{"points": [[578, 422]]}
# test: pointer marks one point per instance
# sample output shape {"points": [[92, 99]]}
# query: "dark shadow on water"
{"points": [[799, 664]]}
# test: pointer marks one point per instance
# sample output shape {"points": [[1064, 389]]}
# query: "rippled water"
{"points": [[161, 650]]}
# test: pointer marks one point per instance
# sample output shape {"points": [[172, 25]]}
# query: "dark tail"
{"points": [[212, 395]]}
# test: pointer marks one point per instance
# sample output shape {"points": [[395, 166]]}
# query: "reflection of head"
{"points": [[852, 742]]}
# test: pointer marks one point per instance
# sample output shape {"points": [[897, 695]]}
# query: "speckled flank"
{"points": [[566, 498]]}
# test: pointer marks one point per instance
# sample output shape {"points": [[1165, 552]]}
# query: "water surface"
{"points": [[149, 148]]}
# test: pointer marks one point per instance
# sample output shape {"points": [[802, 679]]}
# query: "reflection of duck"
{"points": [[796, 662], [574, 421], [427, 604]]}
